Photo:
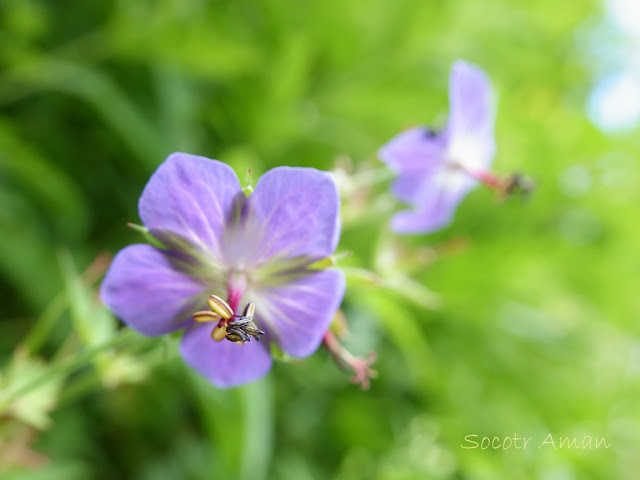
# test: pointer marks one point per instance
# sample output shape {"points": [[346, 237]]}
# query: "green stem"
{"points": [[258, 429], [371, 177], [91, 380], [45, 323], [64, 367], [79, 388], [39, 333]]}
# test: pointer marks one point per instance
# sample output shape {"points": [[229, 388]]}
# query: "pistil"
{"points": [[236, 288]]}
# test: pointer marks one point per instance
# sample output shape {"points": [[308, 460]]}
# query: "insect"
{"points": [[235, 328]]}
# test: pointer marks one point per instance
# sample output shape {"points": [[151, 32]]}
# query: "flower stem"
{"points": [[258, 432], [65, 367], [47, 321], [360, 366], [367, 178]]}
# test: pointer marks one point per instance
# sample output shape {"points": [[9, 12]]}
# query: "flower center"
{"points": [[235, 328], [236, 287]]}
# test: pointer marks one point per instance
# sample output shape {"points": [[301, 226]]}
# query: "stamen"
{"points": [[487, 177], [206, 316], [503, 186], [235, 328], [516, 183], [220, 307], [220, 331], [249, 310], [242, 328]]}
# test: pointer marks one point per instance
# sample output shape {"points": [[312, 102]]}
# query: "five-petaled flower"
{"points": [[219, 241], [437, 169]]}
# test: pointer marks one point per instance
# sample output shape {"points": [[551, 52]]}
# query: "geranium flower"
{"points": [[248, 249], [436, 169]]}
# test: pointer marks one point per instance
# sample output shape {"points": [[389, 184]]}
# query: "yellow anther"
{"points": [[219, 332], [250, 309], [206, 316], [220, 307]]}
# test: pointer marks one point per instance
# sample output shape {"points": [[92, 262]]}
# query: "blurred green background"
{"points": [[537, 327]]}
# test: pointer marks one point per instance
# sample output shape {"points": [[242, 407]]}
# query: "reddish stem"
{"points": [[361, 367]]}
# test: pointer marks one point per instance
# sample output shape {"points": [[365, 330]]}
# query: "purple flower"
{"points": [[437, 169], [245, 249]]}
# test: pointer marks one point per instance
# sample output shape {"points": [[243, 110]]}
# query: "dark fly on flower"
{"points": [[235, 328]]}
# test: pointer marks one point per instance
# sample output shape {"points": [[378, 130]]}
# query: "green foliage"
{"points": [[520, 318]]}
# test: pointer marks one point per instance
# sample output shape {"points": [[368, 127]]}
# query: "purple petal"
{"points": [[416, 149], [467, 141], [409, 186], [191, 196], [224, 363], [149, 294], [422, 221], [297, 210], [299, 313], [435, 198], [472, 116]]}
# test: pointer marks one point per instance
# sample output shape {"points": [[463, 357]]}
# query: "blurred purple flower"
{"points": [[437, 169], [245, 249]]}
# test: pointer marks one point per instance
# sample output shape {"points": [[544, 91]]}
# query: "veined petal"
{"points": [[298, 313], [296, 213], [146, 290], [191, 196], [472, 116], [418, 150], [224, 363]]}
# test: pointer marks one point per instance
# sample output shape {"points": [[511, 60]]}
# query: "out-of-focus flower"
{"points": [[436, 169], [219, 242]]}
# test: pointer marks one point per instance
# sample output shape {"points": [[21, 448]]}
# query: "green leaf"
{"points": [[33, 406]]}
